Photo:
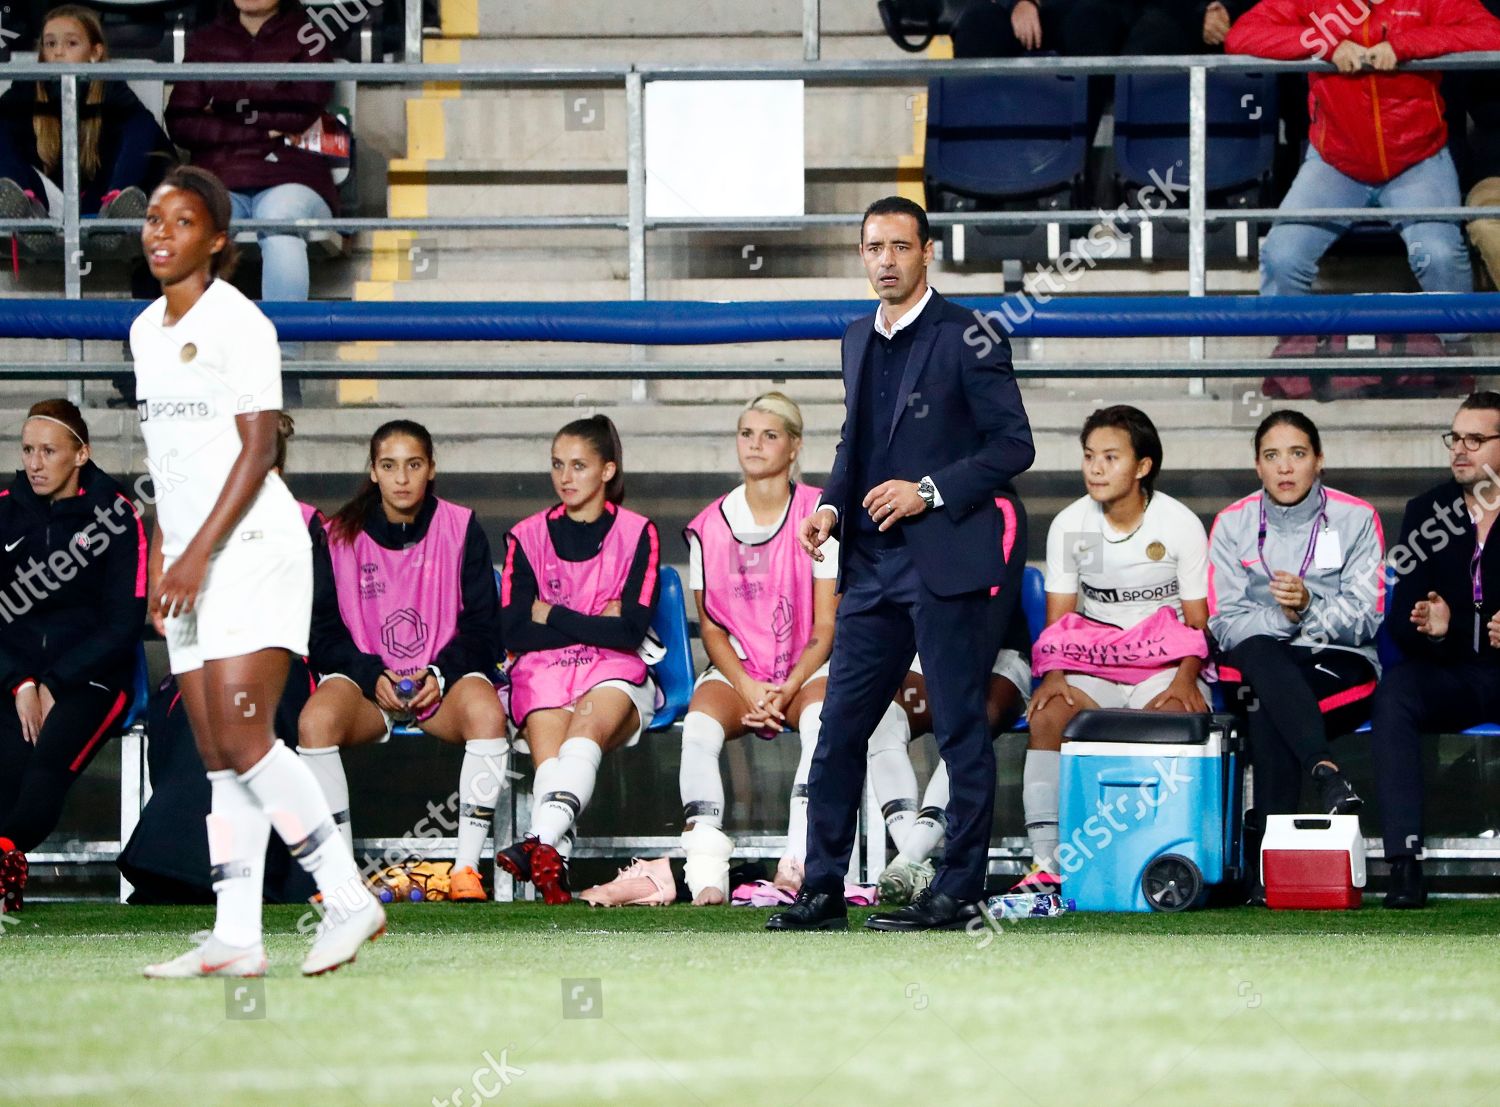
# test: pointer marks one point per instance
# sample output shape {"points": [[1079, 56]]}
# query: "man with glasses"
{"points": [[1444, 618]]}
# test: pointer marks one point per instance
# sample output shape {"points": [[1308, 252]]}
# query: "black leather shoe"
{"points": [[1406, 889], [813, 911], [929, 911]]}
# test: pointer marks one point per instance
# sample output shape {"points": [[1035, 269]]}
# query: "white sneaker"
{"points": [[706, 869], [900, 881], [212, 957], [341, 933]]}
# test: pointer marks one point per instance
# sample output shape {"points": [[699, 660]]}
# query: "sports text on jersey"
{"points": [[170, 407], [1159, 592]]}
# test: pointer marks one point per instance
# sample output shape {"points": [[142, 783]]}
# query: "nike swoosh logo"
{"points": [[12, 545], [1330, 672]]}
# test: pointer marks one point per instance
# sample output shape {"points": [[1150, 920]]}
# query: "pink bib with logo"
{"points": [[543, 679], [403, 605], [761, 593], [1077, 644]]}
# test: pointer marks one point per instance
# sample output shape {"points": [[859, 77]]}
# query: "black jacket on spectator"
{"points": [[1428, 528], [133, 149], [72, 584], [474, 647]]}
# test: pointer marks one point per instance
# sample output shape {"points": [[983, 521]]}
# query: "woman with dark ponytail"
{"points": [[404, 630], [577, 595]]}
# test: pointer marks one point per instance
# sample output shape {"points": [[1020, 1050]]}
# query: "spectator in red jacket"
{"points": [[1378, 138], [243, 131]]}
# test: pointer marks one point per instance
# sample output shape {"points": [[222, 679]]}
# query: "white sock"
{"points": [[479, 782], [237, 833], [808, 728], [926, 834], [327, 768], [564, 787], [1039, 801], [891, 774], [284, 787], [698, 778]]}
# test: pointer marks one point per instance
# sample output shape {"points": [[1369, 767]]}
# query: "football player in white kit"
{"points": [[231, 579]]}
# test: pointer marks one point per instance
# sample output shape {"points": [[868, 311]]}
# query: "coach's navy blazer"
{"points": [[958, 419]]}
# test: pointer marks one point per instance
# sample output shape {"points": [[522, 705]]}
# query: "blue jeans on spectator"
{"points": [[284, 271], [283, 256], [1436, 252]]}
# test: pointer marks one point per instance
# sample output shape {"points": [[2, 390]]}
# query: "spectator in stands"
{"points": [[1445, 617], [1484, 164], [246, 131], [1296, 593], [766, 612], [577, 595], [917, 831], [1378, 137], [405, 631], [1124, 562], [1009, 28], [74, 607], [122, 151]]}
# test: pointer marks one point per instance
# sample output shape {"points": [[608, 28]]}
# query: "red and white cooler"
{"points": [[1313, 862]]}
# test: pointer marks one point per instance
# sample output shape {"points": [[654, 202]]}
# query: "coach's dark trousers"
{"points": [[885, 615], [1416, 698]]}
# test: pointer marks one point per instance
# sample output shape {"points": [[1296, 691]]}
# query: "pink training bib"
{"points": [[543, 679], [761, 593], [308, 512], [403, 605], [1078, 644]]}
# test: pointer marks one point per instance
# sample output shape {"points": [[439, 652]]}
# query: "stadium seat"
{"points": [[1034, 601], [1006, 143], [140, 690], [1151, 137], [674, 673], [1390, 653]]}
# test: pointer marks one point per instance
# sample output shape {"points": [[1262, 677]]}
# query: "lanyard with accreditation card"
{"points": [[1323, 548]]}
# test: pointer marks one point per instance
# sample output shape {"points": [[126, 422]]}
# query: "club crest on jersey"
{"points": [[81, 540]]}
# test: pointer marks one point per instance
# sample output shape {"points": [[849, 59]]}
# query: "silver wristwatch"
{"points": [[928, 491]]}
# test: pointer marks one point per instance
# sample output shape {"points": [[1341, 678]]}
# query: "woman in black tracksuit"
{"points": [[72, 605]]}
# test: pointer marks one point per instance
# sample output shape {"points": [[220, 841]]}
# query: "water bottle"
{"points": [[1029, 905], [406, 689]]}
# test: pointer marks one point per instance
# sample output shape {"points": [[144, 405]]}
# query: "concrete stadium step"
{"points": [[1202, 433], [704, 19], [781, 46], [519, 131]]}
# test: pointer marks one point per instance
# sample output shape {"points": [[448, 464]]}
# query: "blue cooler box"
{"points": [[1150, 809]]}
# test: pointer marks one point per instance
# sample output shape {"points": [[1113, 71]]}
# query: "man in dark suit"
{"points": [[1445, 617], [934, 429]]}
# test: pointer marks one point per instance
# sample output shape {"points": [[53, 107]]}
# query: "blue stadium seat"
{"points": [[140, 690], [1151, 136], [674, 673], [1390, 653], [1006, 143], [1034, 601]]}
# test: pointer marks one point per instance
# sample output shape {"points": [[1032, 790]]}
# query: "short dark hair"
{"points": [[898, 205], [1145, 443], [1286, 417], [1486, 400]]}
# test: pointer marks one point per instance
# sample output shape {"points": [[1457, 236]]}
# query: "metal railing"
{"points": [[635, 223]]}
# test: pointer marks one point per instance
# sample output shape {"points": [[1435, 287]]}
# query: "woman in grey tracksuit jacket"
{"points": [[1295, 598]]}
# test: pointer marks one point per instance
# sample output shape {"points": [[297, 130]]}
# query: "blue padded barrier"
{"points": [[702, 323]]}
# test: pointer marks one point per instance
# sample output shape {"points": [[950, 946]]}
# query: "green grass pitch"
{"points": [[701, 1006]]}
